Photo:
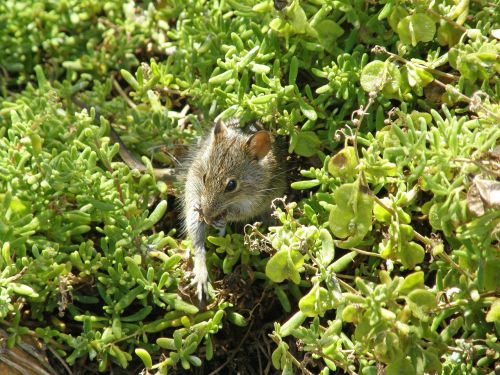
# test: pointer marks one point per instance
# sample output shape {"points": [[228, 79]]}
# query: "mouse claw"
{"points": [[200, 280]]}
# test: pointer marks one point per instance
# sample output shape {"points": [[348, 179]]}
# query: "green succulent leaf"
{"points": [[327, 251], [411, 254], [422, 301], [316, 302], [285, 265], [493, 315], [401, 366], [351, 217], [411, 282], [418, 27], [307, 143], [328, 33], [343, 164], [379, 76]]}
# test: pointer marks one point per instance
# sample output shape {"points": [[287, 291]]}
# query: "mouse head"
{"points": [[236, 173]]}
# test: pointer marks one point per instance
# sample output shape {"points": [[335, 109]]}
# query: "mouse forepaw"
{"points": [[187, 254], [200, 279]]}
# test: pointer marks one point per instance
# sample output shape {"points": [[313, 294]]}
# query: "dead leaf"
{"points": [[26, 358], [474, 202], [489, 191], [483, 195]]}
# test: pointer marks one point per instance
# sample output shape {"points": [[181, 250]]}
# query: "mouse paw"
{"points": [[186, 255], [200, 280]]}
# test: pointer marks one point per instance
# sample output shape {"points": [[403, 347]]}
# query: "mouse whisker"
{"points": [[269, 189]]}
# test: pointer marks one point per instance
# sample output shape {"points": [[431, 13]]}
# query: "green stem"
{"points": [[295, 361]]}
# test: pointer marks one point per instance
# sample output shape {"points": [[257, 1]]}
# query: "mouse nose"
{"points": [[206, 215], [207, 219]]}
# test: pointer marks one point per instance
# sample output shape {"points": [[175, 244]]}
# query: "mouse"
{"points": [[232, 175]]}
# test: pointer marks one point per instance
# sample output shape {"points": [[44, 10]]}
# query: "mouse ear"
{"points": [[220, 129], [260, 144]]}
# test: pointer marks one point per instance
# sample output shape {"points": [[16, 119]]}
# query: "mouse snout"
{"points": [[207, 218], [211, 215], [207, 214]]}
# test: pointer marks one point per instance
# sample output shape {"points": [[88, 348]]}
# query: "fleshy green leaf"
{"points": [[327, 251], [284, 265], [400, 366], [351, 217], [343, 164], [411, 282], [418, 27], [493, 314], [316, 302], [423, 298], [307, 143], [328, 32], [411, 254], [381, 76]]}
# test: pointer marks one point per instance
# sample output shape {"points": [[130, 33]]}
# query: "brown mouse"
{"points": [[231, 176]]}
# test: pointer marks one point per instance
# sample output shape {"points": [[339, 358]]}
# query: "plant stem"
{"points": [[447, 19], [326, 356], [452, 263], [470, 101], [347, 286], [454, 304], [380, 49], [122, 93], [295, 361], [466, 98], [364, 252]]}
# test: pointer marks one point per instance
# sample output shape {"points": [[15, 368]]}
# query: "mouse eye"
{"points": [[231, 185]]}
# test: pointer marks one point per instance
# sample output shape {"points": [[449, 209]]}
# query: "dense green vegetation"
{"points": [[385, 256]]}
